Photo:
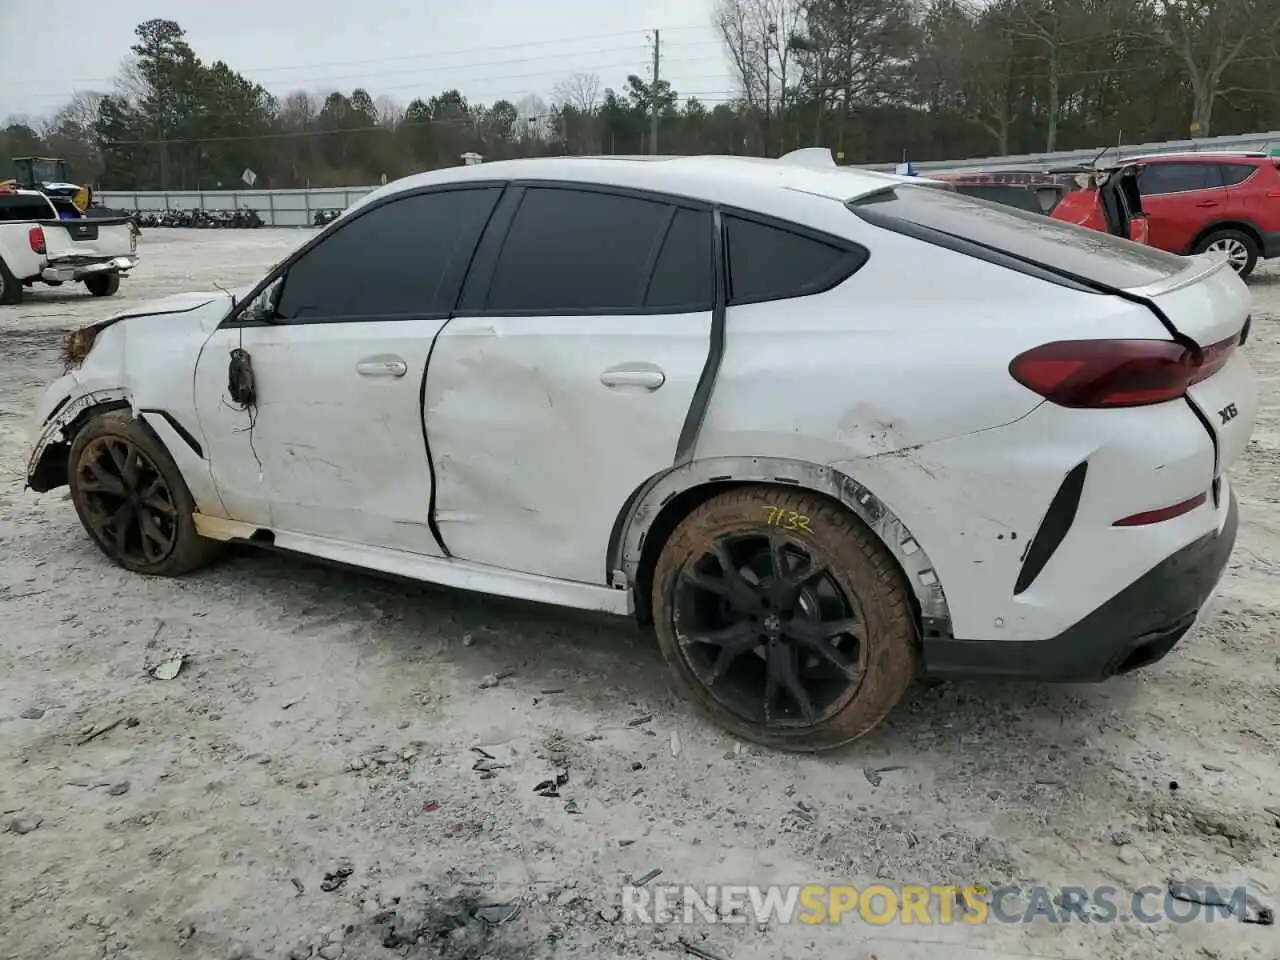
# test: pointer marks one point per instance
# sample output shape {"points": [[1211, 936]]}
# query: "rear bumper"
{"points": [[1133, 629], [77, 268]]}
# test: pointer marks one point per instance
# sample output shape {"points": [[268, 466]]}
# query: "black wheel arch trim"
{"points": [[645, 505], [183, 433]]}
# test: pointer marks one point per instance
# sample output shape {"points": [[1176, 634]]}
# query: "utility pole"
{"points": [[653, 95]]}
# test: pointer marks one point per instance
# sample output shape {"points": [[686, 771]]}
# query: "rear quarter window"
{"points": [[773, 262], [1234, 173], [1060, 247]]}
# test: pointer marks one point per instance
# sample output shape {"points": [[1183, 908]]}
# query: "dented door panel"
{"points": [[334, 447], [534, 453]]}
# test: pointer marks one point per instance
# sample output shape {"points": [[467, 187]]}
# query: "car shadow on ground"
{"points": [[974, 724]]}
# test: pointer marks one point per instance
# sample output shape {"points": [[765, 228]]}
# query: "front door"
{"points": [[565, 381], [333, 445]]}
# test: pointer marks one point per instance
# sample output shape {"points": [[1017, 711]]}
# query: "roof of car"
{"points": [[711, 178], [1199, 155]]}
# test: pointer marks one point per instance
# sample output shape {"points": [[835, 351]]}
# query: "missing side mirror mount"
{"points": [[240, 382]]}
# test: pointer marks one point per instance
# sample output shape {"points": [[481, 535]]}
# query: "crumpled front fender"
{"points": [[64, 403]]}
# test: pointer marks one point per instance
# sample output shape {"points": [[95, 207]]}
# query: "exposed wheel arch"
{"points": [[653, 511], [48, 467]]}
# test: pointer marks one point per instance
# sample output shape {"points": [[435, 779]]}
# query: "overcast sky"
{"points": [[488, 49]]}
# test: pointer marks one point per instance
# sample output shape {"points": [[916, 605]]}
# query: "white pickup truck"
{"points": [[37, 246]]}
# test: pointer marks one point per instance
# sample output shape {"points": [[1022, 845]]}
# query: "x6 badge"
{"points": [[1228, 413]]}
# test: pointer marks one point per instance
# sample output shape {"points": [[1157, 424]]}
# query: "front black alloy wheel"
{"points": [[132, 500], [128, 505]]}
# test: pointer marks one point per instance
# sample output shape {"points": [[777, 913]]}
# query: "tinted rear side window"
{"points": [[576, 251], [1091, 254], [683, 277], [1018, 197], [1233, 173], [1158, 178], [406, 257], [771, 263]]}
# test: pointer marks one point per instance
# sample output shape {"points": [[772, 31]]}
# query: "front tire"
{"points": [[103, 284], [1241, 249], [784, 617], [132, 500]]}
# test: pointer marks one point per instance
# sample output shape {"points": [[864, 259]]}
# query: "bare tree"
{"points": [[759, 37], [580, 91], [390, 113], [131, 85], [1208, 37]]}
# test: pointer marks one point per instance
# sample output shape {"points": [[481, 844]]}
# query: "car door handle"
{"points": [[634, 375], [382, 367], [1207, 203]]}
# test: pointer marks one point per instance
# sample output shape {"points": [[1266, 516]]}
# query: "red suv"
{"points": [[1229, 202]]}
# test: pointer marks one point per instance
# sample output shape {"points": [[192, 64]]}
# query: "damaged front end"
{"points": [[47, 468]]}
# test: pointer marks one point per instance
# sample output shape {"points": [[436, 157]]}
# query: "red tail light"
{"points": [[1148, 517], [1139, 229], [1116, 373], [35, 237]]}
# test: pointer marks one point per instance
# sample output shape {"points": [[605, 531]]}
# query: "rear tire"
{"points": [[10, 288], [820, 645], [1241, 249], [103, 284], [132, 500]]}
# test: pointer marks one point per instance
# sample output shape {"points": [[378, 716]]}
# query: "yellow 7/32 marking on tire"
{"points": [[787, 519]]}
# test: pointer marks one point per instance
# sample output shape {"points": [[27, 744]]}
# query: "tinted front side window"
{"points": [[770, 263], [1233, 173], [683, 275], [1092, 254], [406, 258], [575, 250], [1159, 178]]}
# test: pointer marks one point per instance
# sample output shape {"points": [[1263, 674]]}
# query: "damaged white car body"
{"points": [[821, 427]]}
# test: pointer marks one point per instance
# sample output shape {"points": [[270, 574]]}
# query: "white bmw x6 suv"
{"points": [[823, 428]]}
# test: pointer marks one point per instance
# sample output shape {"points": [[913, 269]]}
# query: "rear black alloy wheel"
{"points": [[769, 631], [128, 506], [783, 616]]}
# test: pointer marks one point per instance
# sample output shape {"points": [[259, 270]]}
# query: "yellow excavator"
{"points": [[49, 176]]}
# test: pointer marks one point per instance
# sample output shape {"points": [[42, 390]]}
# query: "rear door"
{"points": [[1180, 198], [564, 381]]}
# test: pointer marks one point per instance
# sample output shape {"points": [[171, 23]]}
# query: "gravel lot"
{"points": [[326, 715]]}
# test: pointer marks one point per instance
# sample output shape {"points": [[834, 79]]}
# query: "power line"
{"points": [[443, 76], [560, 54]]}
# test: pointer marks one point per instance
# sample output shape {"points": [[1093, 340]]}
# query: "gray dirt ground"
{"points": [[241, 793]]}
